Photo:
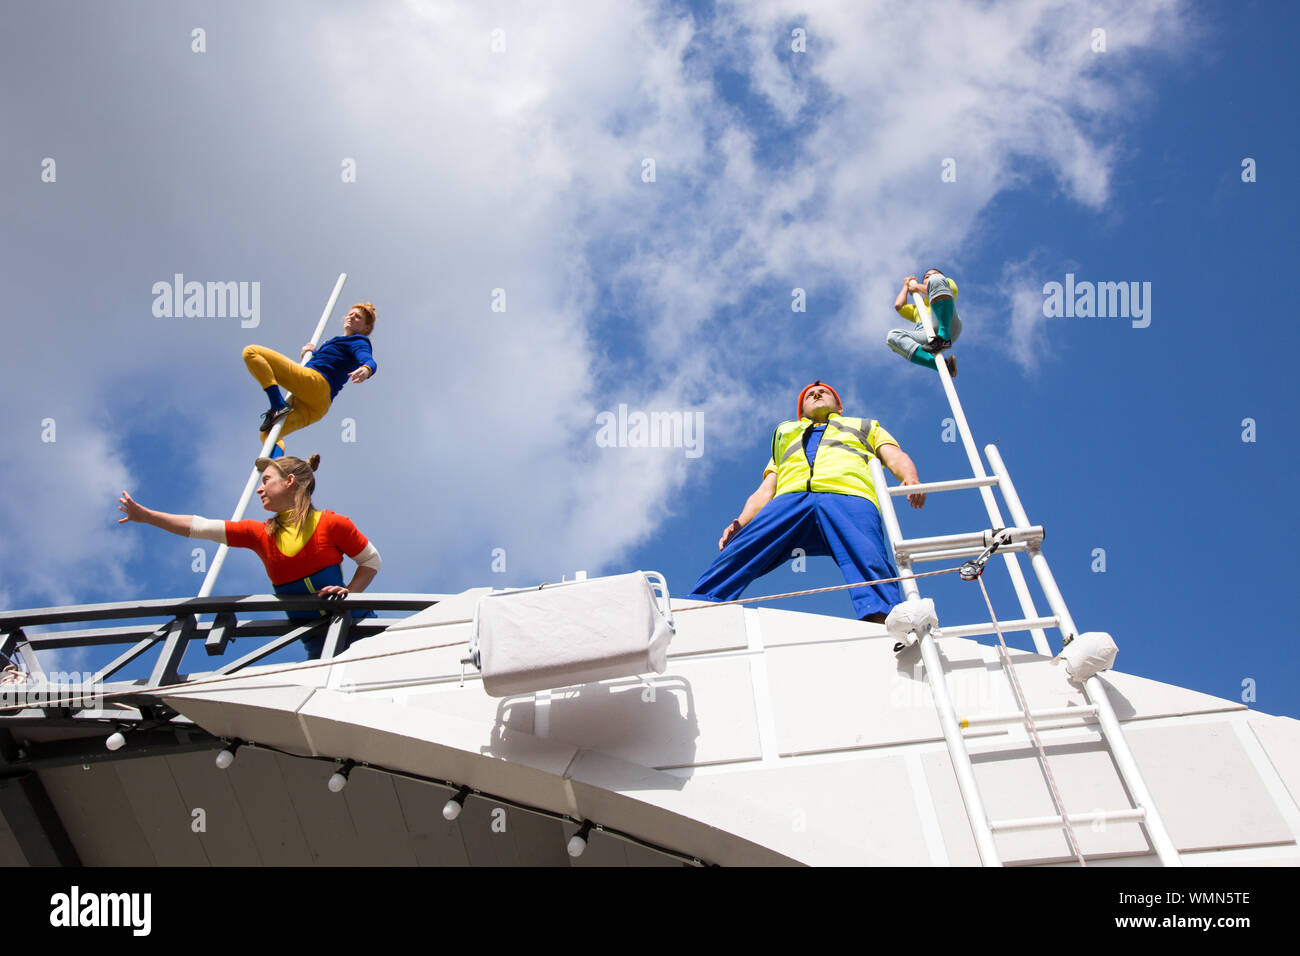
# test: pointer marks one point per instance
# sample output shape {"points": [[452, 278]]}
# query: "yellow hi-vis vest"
{"points": [[842, 456]]}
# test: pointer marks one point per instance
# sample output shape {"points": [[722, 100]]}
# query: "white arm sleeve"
{"points": [[209, 529], [368, 557]]}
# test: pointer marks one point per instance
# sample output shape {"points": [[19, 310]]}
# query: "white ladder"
{"points": [[1021, 536]]}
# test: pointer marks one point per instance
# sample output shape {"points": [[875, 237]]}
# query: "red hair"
{"points": [[368, 313]]}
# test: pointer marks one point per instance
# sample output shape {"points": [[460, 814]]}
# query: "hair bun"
{"points": [[314, 461]]}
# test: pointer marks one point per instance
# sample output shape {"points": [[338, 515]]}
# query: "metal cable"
{"points": [[1033, 730], [203, 682], [837, 587]]}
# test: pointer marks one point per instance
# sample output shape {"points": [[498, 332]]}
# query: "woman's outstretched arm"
{"points": [[182, 525]]}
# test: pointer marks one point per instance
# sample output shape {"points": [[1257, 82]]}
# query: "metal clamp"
{"points": [[973, 569]]}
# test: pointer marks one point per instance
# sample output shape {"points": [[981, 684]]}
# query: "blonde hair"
{"points": [[304, 483], [367, 310]]}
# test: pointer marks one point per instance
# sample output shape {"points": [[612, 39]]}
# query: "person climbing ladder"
{"points": [[939, 293], [344, 358]]}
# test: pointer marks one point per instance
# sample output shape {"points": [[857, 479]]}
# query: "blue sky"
{"points": [[522, 169]]}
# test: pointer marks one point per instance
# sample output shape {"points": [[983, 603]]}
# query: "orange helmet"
{"points": [[798, 408]]}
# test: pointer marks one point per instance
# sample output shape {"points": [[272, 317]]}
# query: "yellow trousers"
{"points": [[310, 390]]}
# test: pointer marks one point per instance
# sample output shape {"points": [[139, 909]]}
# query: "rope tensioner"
{"points": [[973, 569]]}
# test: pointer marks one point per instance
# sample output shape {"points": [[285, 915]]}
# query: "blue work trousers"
{"points": [[845, 527]]}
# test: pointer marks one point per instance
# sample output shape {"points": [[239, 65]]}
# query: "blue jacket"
{"points": [[339, 357]]}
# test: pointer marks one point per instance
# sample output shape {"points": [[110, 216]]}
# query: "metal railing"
{"points": [[19, 642]]}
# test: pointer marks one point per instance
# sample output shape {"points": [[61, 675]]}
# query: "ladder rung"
{"points": [[915, 548], [1059, 713], [956, 554], [1047, 823], [1008, 627], [930, 487]]}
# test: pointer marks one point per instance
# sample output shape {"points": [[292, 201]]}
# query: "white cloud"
{"points": [[1021, 287], [522, 170], [59, 544]]}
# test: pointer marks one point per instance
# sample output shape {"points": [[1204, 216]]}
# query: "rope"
{"points": [[789, 594], [295, 668], [1033, 729], [206, 681]]}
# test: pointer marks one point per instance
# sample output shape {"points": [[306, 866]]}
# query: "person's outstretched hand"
{"points": [[134, 511]]}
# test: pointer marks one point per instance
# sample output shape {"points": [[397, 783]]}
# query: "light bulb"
{"points": [[578, 842], [337, 782], [115, 741], [451, 809], [225, 758]]}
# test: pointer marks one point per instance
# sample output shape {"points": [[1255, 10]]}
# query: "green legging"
{"points": [[941, 310]]}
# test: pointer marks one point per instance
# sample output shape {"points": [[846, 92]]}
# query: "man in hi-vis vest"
{"points": [[816, 495]]}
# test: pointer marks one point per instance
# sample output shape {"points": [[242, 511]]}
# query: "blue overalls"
{"points": [[845, 527]]}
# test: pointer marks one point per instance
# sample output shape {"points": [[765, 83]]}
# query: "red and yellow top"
{"points": [[294, 555]]}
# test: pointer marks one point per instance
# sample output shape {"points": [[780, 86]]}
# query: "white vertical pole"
{"points": [[1093, 687], [934, 675], [250, 486], [1037, 559], [1012, 562], [1128, 768]]}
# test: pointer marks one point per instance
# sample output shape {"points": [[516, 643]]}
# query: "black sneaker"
{"points": [[937, 345], [273, 415], [951, 362]]}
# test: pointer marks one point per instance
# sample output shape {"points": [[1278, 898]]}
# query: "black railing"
{"points": [[181, 627]]}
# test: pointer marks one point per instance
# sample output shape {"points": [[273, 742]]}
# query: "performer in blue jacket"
{"points": [[344, 358]]}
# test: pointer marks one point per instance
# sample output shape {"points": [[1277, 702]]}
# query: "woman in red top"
{"points": [[301, 547]]}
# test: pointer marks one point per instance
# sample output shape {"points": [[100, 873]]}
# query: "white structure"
{"points": [[766, 737], [776, 736], [772, 736]]}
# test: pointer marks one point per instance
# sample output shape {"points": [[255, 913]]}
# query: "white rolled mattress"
{"points": [[572, 633]]}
